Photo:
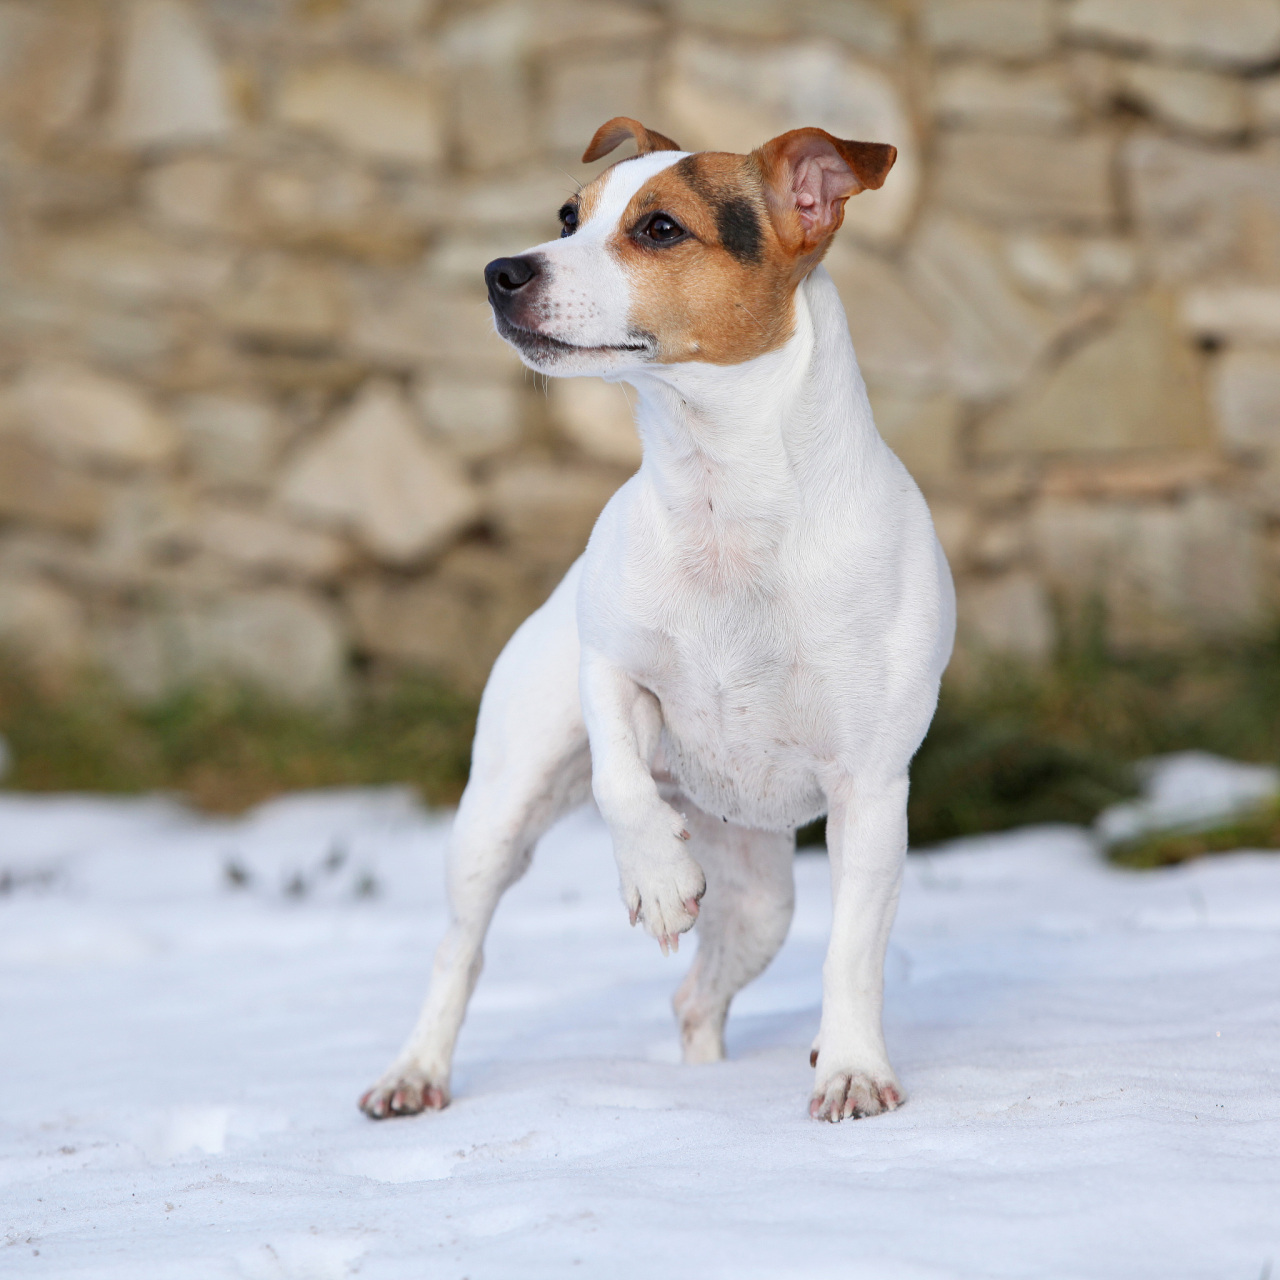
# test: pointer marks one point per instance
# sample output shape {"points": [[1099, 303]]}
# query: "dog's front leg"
{"points": [[867, 844], [660, 881]]}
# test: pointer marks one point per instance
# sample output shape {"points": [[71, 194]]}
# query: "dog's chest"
{"points": [[745, 723]]}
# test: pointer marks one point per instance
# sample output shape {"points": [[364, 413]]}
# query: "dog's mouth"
{"points": [[544, 346]]}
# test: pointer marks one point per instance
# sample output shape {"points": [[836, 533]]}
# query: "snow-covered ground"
{"points": [[189, 1010]]}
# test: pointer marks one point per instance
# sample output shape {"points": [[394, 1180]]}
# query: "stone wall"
{"points": [[253, 419]]}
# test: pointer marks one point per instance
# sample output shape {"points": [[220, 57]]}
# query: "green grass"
{"points": [[225, 748], [1256, 829], [1014, 747]]}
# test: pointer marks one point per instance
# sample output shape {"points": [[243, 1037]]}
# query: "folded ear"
{"points": [[808, 175], [618, 130]]}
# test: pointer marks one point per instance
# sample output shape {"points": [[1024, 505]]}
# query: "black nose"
{"points": [[505, 276]]}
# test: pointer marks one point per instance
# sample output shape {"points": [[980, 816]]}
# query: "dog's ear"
{"points": [[618, 130], [808, 175]]}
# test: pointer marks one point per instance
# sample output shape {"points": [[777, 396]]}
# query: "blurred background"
{"points": [[273, 495]]}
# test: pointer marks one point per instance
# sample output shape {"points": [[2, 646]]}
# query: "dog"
{"points": [[756, 632]]}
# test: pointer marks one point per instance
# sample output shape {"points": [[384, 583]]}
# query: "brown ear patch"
{"points": [[613, 133], [808, 175], [870, 161]]}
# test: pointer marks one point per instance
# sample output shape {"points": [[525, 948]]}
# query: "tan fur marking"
{"points": [[699, 300], [589, 198]]}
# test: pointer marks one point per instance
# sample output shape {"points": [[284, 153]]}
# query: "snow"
{"points": [[1090, 1056], [1188, 789]]}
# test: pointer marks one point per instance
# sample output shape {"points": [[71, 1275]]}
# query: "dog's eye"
{"points": [[568, 216], [661, 228]]}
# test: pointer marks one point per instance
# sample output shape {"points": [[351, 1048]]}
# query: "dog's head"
{"points": [[670, 257]]}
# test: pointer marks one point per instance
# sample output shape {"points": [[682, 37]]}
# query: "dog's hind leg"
{"points": [[743, 921], [530, 764]]}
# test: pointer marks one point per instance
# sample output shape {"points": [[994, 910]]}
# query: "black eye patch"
{"points": [[738, 223], [737, 218]]}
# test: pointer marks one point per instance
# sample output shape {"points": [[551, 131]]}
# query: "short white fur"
{"points": [[755, 635]]}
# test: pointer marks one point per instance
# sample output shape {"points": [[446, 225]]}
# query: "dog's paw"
{"points": [[662, 886], [850, 1095], [403, 1093]]}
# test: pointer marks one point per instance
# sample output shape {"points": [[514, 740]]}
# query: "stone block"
{"points": [[297, 198], [899, 342], [1134, 386], [35, 488], [49, 69], [769, 18], [729, 98], [334, 208], [523, 201], [42, 624], [424, 624], [1003, 617], [924, 431], [285, 301], [84, 417], [1012, 177], [192, 193], [869, 26], [1197, 209], [546, 513], [127, 339], [1233, 32], [1058, 269], [288, 643], [373, 473], [1147, 477], [1233, 312], [997, 28], [1266, 104], [453, 623], [169, 86], [998, 334], [475, 419], [1194, 100], [458, 260], [148, 524], [126, 265], [406, 323], [1245, 393], [999, 545], [504, 33], [492, 116], [956, 525], [265, 545], [597, 417], [581, 94], [1037, 100], [232, 441], [488, 51], [1266, 495], [392, 19], [375, 111], [1166, 574]]}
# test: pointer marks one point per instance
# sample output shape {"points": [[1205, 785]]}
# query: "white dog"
{"points": [[756, 632]]}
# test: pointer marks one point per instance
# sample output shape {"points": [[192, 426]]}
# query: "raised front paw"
{"points": [[403, 1093], [662, 885], [852, 1094]]}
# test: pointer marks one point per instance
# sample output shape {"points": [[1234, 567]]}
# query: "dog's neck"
{"points": [[749, 451]]}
